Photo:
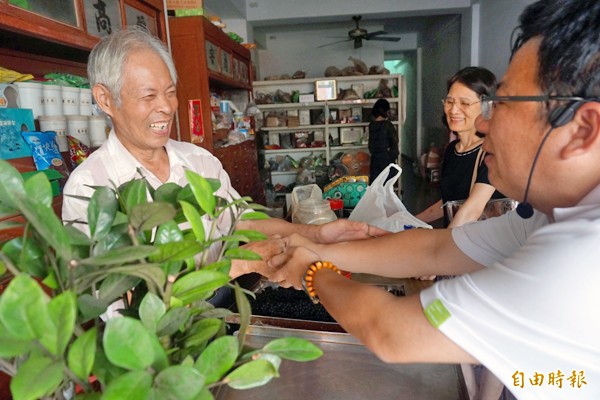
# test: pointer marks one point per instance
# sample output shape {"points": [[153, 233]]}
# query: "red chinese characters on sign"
{"points": [[195, 119]]}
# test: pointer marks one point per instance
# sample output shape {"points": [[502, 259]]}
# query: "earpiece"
{"points": [[562, 115]]}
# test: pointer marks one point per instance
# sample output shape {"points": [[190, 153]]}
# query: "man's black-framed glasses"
{"points": [[488, 103]]}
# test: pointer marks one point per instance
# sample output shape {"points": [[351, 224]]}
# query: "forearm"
{"points": [[394, 328], [432, 212], [275, 226], [405, 254]]}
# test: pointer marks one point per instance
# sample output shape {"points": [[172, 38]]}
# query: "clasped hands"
{"points": [[285, 259]]}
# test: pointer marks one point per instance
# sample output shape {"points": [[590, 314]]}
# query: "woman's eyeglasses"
{"points": [[463, 104], [488, 103]]}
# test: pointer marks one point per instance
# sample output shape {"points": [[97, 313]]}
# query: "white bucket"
{"points": [[52, 100], [97, 130], [70, 100], [58, 124], [78, 127], [85, 101], [30, 96]]}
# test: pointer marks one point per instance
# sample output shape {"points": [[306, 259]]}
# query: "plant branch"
{"points": [[7, 367]]}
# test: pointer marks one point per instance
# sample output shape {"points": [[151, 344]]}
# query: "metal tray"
{"points": [[347, 371]]}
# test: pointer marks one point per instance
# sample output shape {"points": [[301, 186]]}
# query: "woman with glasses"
{"points": [[464, 174], [464, 177]]}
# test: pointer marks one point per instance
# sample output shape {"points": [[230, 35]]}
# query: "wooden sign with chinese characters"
{"points": [[213, 57]]}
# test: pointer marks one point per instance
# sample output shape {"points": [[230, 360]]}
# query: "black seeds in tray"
{"points": [[288, 303]]}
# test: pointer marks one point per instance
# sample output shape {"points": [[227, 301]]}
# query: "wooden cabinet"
{"points": [[207, 60]]}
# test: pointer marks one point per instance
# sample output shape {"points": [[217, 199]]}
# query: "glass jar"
{"points": [[313, 212]]}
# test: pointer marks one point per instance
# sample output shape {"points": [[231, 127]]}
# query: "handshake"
{"points": [[285, 259]]}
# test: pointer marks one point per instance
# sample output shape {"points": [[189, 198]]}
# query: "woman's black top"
{"points": [[383, 146]]}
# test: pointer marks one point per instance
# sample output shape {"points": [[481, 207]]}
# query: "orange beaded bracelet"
{"points": [[309, 278]]}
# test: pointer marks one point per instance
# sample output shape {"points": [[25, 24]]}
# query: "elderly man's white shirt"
{"points": [[536, 308], [113, 163]]}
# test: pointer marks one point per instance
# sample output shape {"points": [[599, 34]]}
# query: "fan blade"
{"points": [[371, 34], [329, 44], [357, 43], [385, 39]]}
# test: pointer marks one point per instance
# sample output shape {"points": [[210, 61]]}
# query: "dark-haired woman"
{"points": [[383, 139], [464, 155]]}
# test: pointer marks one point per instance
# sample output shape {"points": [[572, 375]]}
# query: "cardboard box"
{"points": [[53, 176], [293, 121]]}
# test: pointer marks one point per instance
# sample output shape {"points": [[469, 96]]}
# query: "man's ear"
{"points": [[104, 99], [586, 136]]}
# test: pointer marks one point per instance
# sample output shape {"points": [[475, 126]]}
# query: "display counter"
{"points": [[347, 370]]}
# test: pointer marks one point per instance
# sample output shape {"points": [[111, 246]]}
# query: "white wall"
{"points": [[287, 51], [498, 20]]}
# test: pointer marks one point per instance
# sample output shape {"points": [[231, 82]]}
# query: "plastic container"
{"points": [[78, 127], [70, 100], [30, 96], [85, 101], [97, 125], [493, 208], [58, 124], [313, 212], [52, 100]]}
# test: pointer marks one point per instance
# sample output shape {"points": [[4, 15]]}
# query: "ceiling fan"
{"points": [[358, 35]]}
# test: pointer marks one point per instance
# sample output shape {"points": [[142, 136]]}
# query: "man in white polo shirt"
{"points": [[526, 303]]}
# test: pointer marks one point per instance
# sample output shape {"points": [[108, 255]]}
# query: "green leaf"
{"points": [[198, 285], [48, 225], [176, 251], [218, 358], [172, 321], [253, 374], [62, 311], [115, 285], [167, 193], [134, 385], [153, 275], [91, 307], [128, 344], [203, 192], [133, 193], [251, 235], [120, 256], [178, 383], [205, 394], [101, 212], [104, 370], [13, 346], [202, 331], [145, 217], [222, 266], [245, 312], [116, 238], [254, 215], [294, 349], [38, 187], [12, 188], [167, 233], [242, 254], [151, 310], [36, 378], [81, 354], [27, 256], [23, 308], [195, 220], [76, 237]]}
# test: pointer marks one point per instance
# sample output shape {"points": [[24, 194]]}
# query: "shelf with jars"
{"points": [[296, 125]]}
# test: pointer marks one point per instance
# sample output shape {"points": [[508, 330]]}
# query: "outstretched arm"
{"points": [[473, 206]]}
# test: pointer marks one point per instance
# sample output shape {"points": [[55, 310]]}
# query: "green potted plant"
{"points": [[171, 342]]}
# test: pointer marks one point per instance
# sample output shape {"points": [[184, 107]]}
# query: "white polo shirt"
{"points": [[113, 163], [533, 316]]}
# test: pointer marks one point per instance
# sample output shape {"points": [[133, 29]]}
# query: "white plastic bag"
{"points": [[381, 207]]}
